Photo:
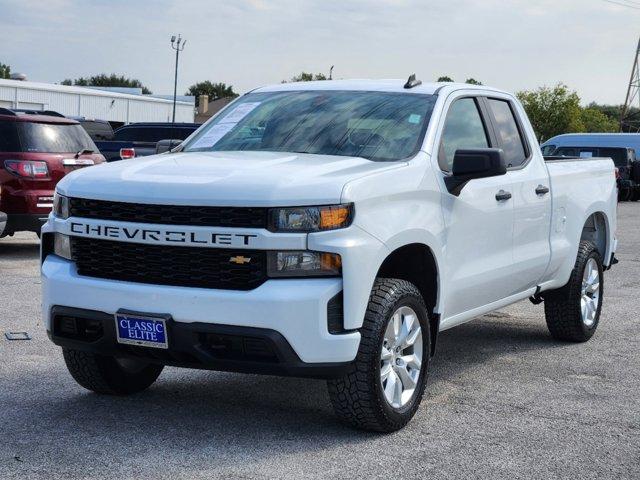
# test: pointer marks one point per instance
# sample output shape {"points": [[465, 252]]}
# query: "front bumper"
{"points": [[192, 345], [295, 309]]}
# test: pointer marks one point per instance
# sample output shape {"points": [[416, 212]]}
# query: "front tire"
{"points": [[573, 311], [384, 386], [108, 375]]}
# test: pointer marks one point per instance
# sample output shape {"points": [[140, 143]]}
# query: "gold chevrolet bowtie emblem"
{"points": [[240, 259]]}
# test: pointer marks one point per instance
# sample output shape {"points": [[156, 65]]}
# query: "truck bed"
{"points": [[575, 182]]}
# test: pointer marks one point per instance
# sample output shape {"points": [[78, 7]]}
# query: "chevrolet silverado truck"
{"points": [[327, 230]]}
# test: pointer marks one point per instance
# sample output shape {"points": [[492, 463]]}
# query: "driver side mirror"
{"points": [[471, 164]]}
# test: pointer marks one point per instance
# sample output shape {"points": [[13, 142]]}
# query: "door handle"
{"points": [[542, 190], [502, 196]]}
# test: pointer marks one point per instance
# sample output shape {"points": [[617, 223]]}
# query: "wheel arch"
{"points": [[417, 263], [596, 229]]}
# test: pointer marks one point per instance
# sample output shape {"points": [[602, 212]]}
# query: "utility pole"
{"points": [[627, 117], [331, 73], [178, 46]]}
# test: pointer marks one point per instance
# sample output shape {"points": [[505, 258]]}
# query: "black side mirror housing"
{"points": [[471, 164]]}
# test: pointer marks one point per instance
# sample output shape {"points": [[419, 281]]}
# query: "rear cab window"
{"points": [[508, 133]]}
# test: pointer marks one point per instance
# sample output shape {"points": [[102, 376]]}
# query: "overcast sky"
{"points": [[510, 44]]}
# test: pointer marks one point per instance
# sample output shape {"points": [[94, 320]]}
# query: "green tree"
{"points": [[471, 81], [306, 77], [104, 80], [553, 110], [611, 111], [5, 71], [593, 120], [631, 121], [213, 90]]}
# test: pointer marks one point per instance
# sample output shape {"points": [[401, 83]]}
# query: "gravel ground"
{"points": [[504, 401]]}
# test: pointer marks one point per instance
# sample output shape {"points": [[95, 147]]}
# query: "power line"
{"points": [[635, 6]]}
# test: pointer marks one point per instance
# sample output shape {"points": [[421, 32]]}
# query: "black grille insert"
{"points": [[239, 217], [168, 265]]}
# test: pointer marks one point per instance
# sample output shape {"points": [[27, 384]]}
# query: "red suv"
{"points": [[36, 151]]}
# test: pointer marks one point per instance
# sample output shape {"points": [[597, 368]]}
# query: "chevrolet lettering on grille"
{"points": [[149, 235]]}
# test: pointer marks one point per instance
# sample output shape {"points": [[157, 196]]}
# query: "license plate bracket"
{"points": [[142, 329]]}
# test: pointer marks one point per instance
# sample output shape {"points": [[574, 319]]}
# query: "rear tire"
{"points": [[573, 311], [384, 386], [108, 375]]}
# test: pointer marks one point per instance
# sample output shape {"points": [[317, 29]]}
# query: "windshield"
{"points": [[53, 138], [374, 125]]}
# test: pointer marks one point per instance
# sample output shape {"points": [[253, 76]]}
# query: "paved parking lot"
{"points": [[504, 401]]}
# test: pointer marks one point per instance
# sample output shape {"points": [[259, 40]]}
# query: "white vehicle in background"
{"points": [[326, 229]]}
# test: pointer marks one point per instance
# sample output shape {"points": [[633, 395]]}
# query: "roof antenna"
{"points": [[412, 82]]}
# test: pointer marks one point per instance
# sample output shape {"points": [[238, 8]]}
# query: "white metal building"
{"points": [[91, 102]]}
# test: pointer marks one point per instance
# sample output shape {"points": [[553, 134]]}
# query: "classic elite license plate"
{"points": [[141, 330]]}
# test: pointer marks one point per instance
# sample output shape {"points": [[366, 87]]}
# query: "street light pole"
{"points": [[178, 46]]}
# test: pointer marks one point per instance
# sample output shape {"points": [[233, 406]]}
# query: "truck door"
{"points": [[531, 196], [479, 222]]}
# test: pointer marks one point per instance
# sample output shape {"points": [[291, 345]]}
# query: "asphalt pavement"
{"points": [[504, 400]]}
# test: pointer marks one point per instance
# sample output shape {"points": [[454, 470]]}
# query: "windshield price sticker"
{"points": [[239, 112], [214, 134]]}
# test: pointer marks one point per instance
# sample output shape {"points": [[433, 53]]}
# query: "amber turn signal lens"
{"points": [[334, 217], [330, 262]]}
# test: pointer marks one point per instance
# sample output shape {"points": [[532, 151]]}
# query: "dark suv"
{"points": [[36, 151]]}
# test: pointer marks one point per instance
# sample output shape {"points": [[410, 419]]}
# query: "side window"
{"points": [[9, 137], [508, 133], [463, 129]]}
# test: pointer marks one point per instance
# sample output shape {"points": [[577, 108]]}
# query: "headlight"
{"points": [[62, 246], [60, 206], [303, 264], [310, 219]]}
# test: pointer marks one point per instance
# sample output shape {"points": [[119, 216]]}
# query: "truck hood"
{"points": [[222, 178]]}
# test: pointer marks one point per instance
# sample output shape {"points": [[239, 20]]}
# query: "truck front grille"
{"points": [[168, 265], [239, 217]]}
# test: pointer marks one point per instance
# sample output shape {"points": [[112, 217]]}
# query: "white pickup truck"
{"points": [[325, 229]]}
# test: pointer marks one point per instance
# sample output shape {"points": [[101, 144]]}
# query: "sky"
{"points": [[510, 44]]}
